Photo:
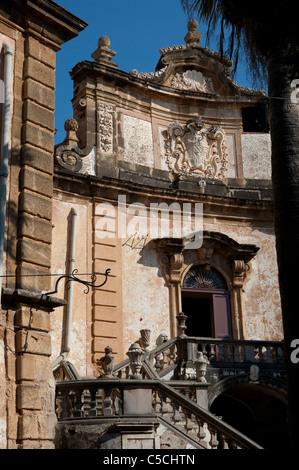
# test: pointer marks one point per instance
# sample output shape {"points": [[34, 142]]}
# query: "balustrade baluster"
{"points": [[261, 355], [243, 353], [204, 350], [93, 403], [229, 353], [156, 401], [213, 442], [107, 402], [201, 434], [237, 353], [63, 404], [221, 353], [157, 363], [268, 355], [188, 424], [176, 412], [77, 404], [212, 352], [224, 441], [172, 354], [165, 404], [277, 355], [256, 353]]}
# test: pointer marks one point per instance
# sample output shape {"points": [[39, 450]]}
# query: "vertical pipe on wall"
{"points": [[8, 53], [69, 308], [74, 215]]}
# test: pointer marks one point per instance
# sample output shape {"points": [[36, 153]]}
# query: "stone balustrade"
{"points": [[92, 400]]}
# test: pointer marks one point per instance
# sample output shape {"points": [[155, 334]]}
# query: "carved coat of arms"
{"points": [[195, 149]]}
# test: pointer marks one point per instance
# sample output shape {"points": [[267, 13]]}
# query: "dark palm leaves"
{"points": [[251, 28]]}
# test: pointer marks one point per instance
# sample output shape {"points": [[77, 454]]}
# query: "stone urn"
{"points": [[135, 355], [201, 367]]}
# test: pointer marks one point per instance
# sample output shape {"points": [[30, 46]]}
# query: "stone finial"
{"points": [[71, 127], [182, 324], [192, 37], [145, 338], [135, 354], [106, 363], [201, 367], [103, 54]]}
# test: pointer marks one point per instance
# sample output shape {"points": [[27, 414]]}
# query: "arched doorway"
{"points": [[206, 302], [258, 411]]}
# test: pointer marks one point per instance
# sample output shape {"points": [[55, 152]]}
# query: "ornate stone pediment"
{"points": [[196, 150]]}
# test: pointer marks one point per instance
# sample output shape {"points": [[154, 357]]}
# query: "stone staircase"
{"points": [[158, 399]]}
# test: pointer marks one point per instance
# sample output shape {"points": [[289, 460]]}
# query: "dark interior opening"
{"points": [[256, 412], [198, 308], [255, 119]]}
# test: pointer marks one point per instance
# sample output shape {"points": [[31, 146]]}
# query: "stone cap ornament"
{"points": [[192, 37], [135, 355], [201, 367], [106, 363], [68, 154], [103, 54]]}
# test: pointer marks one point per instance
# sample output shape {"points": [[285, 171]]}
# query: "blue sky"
{"points": [[138, 29]]}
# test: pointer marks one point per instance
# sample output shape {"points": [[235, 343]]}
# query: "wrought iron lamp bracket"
{"points": [[71, 277]]}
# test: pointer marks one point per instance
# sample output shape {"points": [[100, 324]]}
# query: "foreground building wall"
{"points": [[33, 32]]}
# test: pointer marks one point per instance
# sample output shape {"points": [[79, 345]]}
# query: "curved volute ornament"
{"points": [[68, 154]]}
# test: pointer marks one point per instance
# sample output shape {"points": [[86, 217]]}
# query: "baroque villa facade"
{"points": [[140, 300]]}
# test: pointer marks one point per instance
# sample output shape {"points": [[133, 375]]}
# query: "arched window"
{"points": [[206, 302]]}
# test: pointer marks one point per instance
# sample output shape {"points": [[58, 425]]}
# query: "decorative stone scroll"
{"points": [[68, 154], [196, 150], [193, 80]]}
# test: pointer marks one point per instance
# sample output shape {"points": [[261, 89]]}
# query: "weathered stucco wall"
{"points": [[256, 156], [262, 312], [79, 341], [145, 296], [138, 141]]}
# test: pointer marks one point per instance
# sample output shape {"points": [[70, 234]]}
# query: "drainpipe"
{"points": [[8, 53], [69, 307]]}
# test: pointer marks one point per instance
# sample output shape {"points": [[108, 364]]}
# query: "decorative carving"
{"points": [[193, 80], [145, 338], [105, 127], [135, 354], [68, 155], [176, 262], [204, 277], [106, 363], [201, 367], [182, 318], [148, 75], [162, 338], [196, 150], [239, 272]]}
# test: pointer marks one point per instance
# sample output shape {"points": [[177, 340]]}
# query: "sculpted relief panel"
{"points": [[105, 127], [194, 81], [196, 150]]}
